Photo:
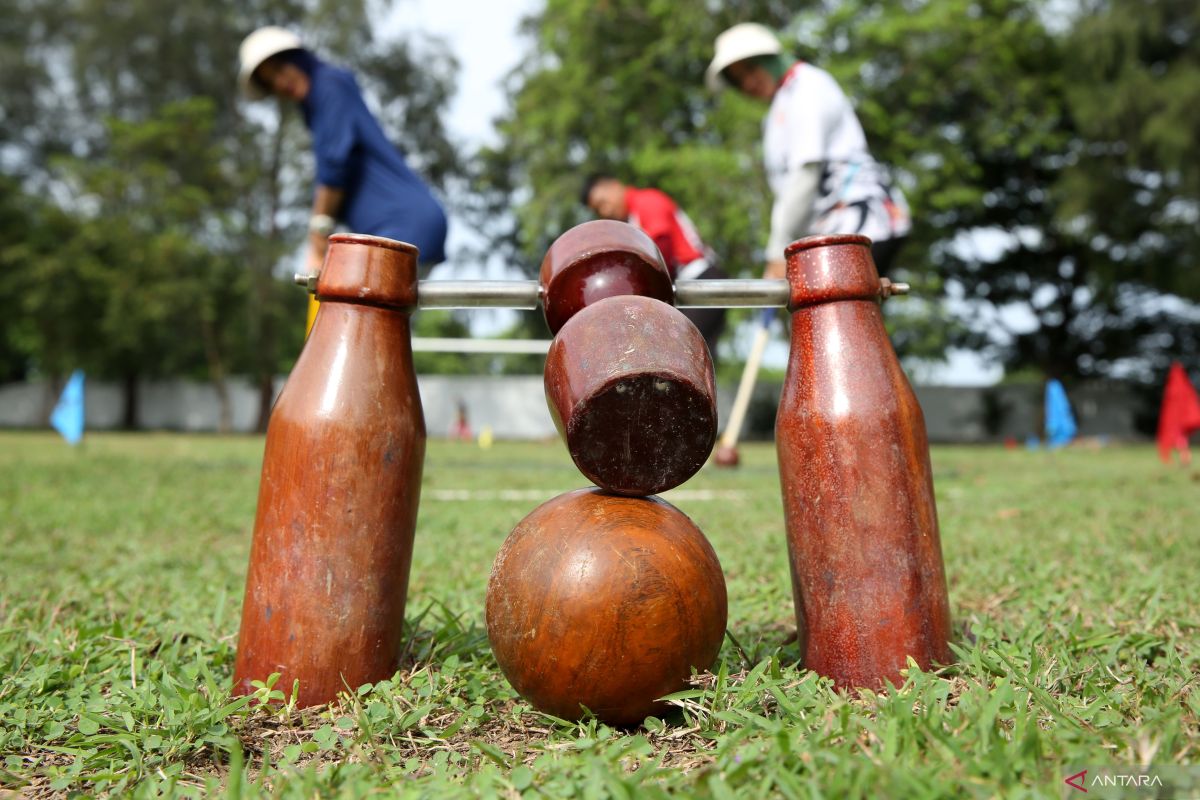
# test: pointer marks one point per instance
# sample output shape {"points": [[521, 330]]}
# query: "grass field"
{"points": [[1073, 585]]}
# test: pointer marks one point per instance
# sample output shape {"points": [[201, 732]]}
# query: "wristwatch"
{"points": [[321, 224]]}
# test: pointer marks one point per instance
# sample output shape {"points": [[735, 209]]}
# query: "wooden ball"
{"points": [[605, 602]]}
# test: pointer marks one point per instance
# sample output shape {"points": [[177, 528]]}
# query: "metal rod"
{"points": [[526, 294], [478, 294], [734, 293], [431, 344]]}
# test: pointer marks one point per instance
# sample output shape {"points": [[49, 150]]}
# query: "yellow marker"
{"points": [[313, 305], [485, 437]]}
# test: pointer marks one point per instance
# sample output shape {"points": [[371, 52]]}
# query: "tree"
{"points": [[142, 213], [48, 295], [1047, 164], [619, 87], [1036, 187], [1135, 92], [189, 200]]}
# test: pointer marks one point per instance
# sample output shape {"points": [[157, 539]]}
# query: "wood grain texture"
{"points": [[604, 602], [598, 259], [341, 479], [629, 382], [868, 581]]}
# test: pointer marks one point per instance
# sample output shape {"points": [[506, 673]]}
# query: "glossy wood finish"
{"points": [[341, 478], [867, 576], [598, 259], [629, 382], [606, 602]]}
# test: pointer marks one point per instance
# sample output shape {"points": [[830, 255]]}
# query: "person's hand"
{"points": [[776, 269]]}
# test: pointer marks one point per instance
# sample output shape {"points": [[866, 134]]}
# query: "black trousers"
{"points": [[884, 253], [709, 321]]}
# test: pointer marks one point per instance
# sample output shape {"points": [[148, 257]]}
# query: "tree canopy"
{"points": [[1045, 156], [156, 209]]}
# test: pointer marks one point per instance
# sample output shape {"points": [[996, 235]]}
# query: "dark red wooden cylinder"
{"points": [[605, 602], [341, 479], [598, 259], [629, 382], [867, 575]]}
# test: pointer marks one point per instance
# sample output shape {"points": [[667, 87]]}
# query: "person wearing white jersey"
{"points": [[818, 166]]}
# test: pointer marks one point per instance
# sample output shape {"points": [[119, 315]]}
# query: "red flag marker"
{"points": [[1180, 415]]}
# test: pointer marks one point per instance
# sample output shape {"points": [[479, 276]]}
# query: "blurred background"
{"points": [[150, 218]]}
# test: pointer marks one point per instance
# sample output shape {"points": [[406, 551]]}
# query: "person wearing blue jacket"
{"points": [[363, 181]]}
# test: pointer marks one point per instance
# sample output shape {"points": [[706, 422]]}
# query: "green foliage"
{"points": [[1135, 87], [617, 86], [1037, 132], [140, 212], [60, 332], [1044, 149], [449, 325], [157, 210], [1075, 640]]}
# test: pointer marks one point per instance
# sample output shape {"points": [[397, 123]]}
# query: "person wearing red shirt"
{"points": [[656, 214]]}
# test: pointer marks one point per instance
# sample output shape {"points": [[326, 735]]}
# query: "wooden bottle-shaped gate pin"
{"points": [[341, 479], [867, 575]]}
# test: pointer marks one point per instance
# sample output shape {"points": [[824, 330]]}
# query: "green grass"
{"points": [[1073, 584]]}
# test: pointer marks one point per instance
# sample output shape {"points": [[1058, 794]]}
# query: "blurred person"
{"points": [[821, 174], [460, 429], [363, 181], [660, 218]]}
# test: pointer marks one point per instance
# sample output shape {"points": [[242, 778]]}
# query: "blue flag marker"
{"points": [[1060, 422], [67, 416]]}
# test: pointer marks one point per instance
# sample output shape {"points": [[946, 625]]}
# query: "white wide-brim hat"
{"points": [[257, 48], [742, 41]]}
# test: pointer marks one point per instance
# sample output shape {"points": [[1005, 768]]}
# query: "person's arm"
{"points": [[334, 107], [792, 215], [327, 202]]}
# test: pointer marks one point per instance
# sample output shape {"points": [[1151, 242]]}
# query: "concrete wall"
{"points": [[515, 407], [973, 414], [162, 405]]}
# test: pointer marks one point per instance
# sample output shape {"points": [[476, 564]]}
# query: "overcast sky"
{"points": [[483, 36]]}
